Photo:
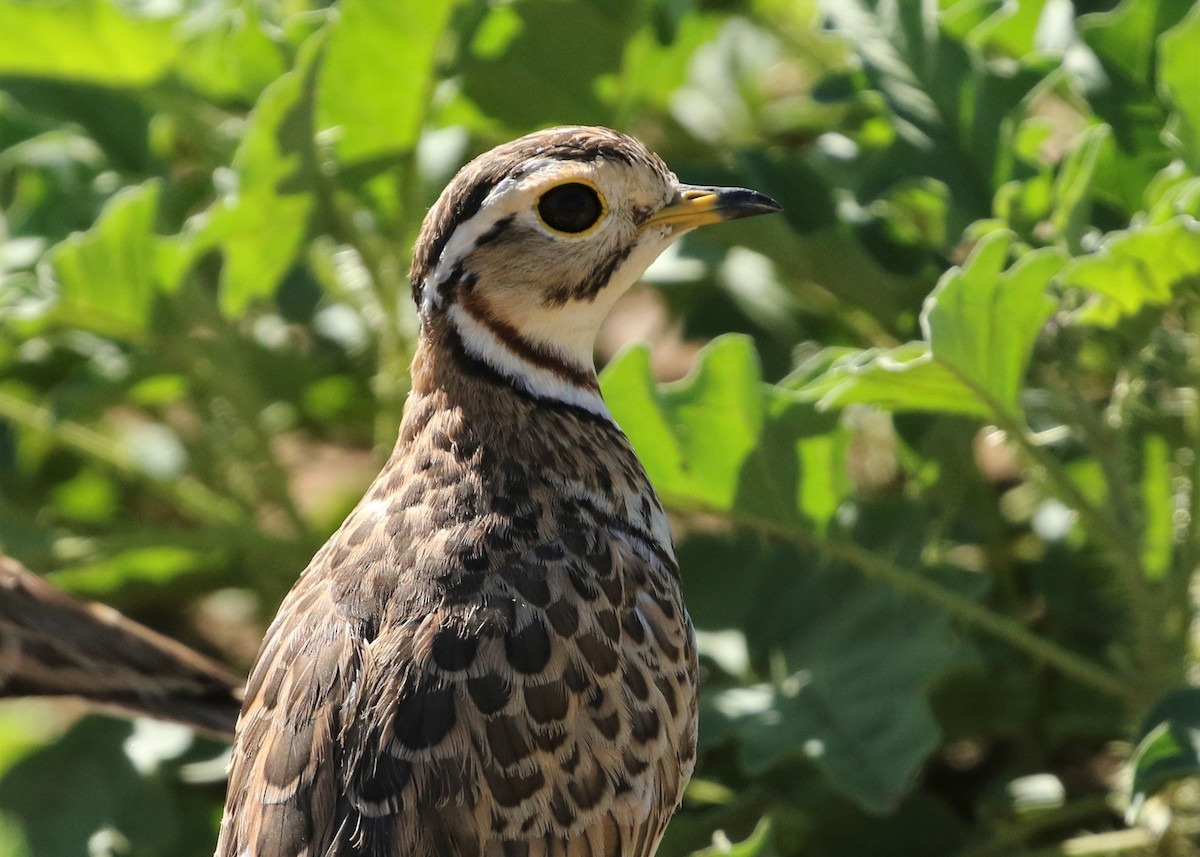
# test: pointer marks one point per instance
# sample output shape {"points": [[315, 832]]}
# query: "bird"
{"points": [[53, 644], [491, 656]]}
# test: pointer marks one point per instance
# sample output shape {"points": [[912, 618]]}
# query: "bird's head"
{"points": [[529, 246]]}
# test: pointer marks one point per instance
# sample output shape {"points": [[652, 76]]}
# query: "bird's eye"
{"points": [[570, 208]]}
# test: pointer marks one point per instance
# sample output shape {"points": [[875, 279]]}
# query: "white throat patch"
{"points": [[540, 382]]}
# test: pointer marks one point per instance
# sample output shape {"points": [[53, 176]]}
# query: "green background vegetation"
{"points": [[935, 470]]}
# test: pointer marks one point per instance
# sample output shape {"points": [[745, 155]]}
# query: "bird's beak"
{"points": [[697, 206]]}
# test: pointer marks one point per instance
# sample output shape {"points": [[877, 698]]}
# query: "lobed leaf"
{"points": [[377, 75], [980, 325], [724, 441], [1137, 268], [92, 41]]}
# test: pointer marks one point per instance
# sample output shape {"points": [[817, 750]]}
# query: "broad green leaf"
{"points": [[1136, 268], [1179, 83], [109, 275], [94, 787], [260, 224], [376, 77], [93, 41], [900, 379], [724, 441], [228, 53], [860, 661], [1168, 747], [1124, 38], [982, 321], [543, 65], [980, 325]]}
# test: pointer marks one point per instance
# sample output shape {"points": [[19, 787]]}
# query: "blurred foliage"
{"points": [[941, 564]]}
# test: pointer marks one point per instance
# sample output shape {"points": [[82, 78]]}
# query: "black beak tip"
{"points": [[737, 203]]}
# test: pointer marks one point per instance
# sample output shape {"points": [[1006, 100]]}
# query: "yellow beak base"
{"points": [[699, 206]]}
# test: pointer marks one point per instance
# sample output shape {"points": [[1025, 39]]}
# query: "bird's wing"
{"points": [[52, 644], [284, 779], [522, 719]]}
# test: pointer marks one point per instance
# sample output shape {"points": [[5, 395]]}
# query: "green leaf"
{"points": [[544, 70], [1179, 84], [860, 661], [229, 55], [982, 321], [1168, 747], [85, 40], [904, 378], [1137, 268], [377, 74], [980, 325], [109, 275], [1124, 38], [722, 440], [261, 223], [94, 787]]}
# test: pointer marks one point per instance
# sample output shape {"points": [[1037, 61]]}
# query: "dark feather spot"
{"points": [[510, 789], [634, 629], [607, 620], [384, 780], [564, 618], [576, 678], [528, 650], [424, 718], [609, 727], [561, 810], [546, 702], [600, 655], [507, 741], [636, 682], [529, 583], [589, 788], [668, 693], [645, 725], [453, 649], [490, 693], [549, 552]]}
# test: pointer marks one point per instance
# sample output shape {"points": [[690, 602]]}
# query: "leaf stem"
{"points": [[957, 606]]}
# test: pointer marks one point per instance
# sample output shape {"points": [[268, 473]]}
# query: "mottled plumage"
{"points": [[54, 645], [491, 656]]}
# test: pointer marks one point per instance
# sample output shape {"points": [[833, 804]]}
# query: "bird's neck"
{"points": [[471, 342]]}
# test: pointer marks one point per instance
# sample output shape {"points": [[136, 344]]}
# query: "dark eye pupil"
{"points": [[570, 207]]}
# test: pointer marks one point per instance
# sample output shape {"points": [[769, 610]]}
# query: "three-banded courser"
{"points": [[491, 656]]}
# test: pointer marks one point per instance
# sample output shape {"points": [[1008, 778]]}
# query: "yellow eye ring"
{"points": [[573, 208]]}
